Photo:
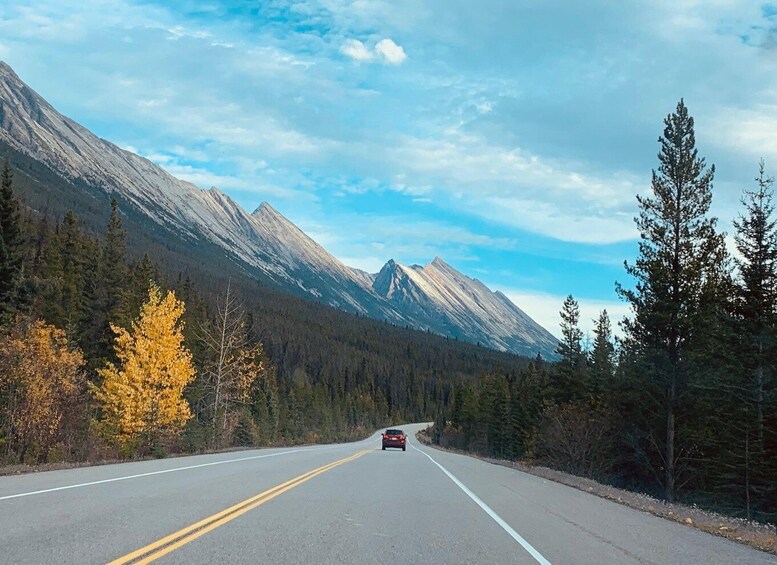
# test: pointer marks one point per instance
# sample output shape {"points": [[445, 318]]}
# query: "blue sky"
{"points": [[508, 137]]}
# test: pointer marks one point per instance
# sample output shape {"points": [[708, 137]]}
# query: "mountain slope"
{"points": [[265, 240], [264, 244], [450, 303]]}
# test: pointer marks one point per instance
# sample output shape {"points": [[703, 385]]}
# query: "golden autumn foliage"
{"points": [[142, 399], [41, 385]]}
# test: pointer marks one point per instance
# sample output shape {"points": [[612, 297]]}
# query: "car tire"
{"points": [[384, 448]]}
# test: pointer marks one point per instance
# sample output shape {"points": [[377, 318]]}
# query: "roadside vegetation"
{"points": [[684, 406]]}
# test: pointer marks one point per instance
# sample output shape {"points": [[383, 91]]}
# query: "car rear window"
{"points": [[394, 433]]}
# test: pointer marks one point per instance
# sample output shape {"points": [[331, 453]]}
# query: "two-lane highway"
{"points": [[348, 503]]}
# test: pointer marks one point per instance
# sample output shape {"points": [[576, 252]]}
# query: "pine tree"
{"points": [[10, 241], [602, 357], [70, 259], [747, 449], [10, 222], [113, 269], [495, 412], [6, 276], [265, 404], [756, 240], [571, 347], [141, 399], [141, 274], [105, 289], [680, 256], [569, 380]]}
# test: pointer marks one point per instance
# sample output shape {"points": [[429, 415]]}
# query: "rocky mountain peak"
{"points": [[8, 74], [265, 209], [385, 281]]}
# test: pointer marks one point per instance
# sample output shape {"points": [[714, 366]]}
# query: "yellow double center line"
{"points": [[177, 539]]}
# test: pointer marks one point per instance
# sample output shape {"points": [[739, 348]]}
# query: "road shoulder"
{"points": [[753, 534]]}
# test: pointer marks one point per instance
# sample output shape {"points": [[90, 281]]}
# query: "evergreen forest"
{"points": [[684, 405], [108, 352]]}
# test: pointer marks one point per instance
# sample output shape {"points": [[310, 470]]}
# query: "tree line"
{"points": [[684, 405]]}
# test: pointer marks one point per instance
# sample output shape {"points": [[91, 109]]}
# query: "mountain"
{"points": [[264, 244], [450, 303]]}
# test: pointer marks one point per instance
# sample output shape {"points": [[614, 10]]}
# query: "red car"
{"points": [[394, 438]]}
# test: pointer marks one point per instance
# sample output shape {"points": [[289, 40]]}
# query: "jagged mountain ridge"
{"points": [[435, 297], [437, 290]]}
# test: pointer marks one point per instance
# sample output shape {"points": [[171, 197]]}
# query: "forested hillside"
{"points": [[79, 297], [685, 407]]}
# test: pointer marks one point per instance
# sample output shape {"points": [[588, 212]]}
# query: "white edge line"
{"points": [[487, 509], [163, 471]]}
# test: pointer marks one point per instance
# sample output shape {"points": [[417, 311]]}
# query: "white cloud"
{"points": [[552, 197], [355, 49], [731, 247], [200, 177], [251, 111], [388, 51], [178, 32], [391, 52], [751, 132], [544, 309], [406, 239]]}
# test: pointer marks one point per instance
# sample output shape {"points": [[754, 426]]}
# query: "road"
{"points": [[349, 503]]}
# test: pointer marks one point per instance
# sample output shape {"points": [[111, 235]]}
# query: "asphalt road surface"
{"points": [[349, 503]]}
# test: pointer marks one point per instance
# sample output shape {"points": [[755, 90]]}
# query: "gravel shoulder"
{"points": [[753, 534]]}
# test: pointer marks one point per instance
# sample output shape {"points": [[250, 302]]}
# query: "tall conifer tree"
{"points": [[602, 356], [106, 289], [113, 269], [756, 240], [10, 241], [680, 255], [570, 374]]}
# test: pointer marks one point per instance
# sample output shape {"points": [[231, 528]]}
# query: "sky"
{"points": [[510, 138]]}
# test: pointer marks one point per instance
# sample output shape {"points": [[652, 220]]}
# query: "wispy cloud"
{"points": [[396, 127], [515, 187], [544, 309], [751, 132], [404, 238]]}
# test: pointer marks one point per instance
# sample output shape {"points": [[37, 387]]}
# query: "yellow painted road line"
{"points": [[177, 539]]}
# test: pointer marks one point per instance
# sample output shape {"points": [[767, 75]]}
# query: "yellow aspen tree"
{"points": [[142, 398], [41, 386]]}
